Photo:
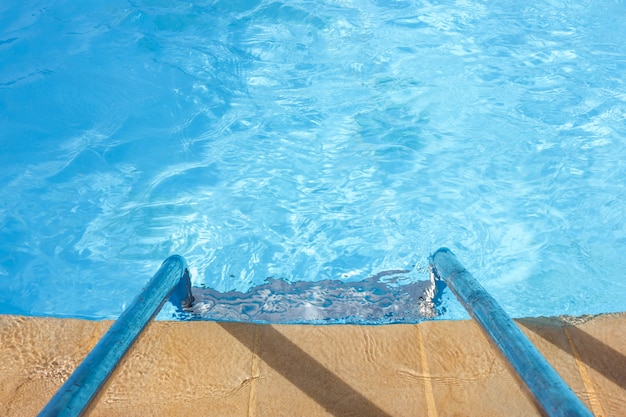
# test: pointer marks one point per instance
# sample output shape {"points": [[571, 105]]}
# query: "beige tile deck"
{"points": [[442, 368], [338, 370], [467, 374]]}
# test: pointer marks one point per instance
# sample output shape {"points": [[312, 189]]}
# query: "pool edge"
{"points": [[433, 368]]}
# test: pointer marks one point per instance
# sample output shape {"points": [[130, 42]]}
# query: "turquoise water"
{"points": [[312, 141]]}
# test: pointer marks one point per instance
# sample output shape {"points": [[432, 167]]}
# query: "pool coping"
{"points": [[433, 368]]}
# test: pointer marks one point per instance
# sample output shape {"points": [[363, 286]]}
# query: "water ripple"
{"points": [[311, 142]]}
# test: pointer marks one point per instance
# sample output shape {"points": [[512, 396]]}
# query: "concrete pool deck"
{"points": [[435, 368]]}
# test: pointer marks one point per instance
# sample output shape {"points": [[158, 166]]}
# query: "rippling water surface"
{"points": [[312, 141]]}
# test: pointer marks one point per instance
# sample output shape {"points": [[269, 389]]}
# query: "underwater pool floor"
{"points": [[436, 368]]}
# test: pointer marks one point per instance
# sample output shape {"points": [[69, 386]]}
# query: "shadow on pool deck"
{"points": [[309, 375], [597, 355], [437, 368]]}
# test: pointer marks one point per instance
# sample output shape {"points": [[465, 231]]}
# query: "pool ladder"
{"points": [[171, 282], [551, 395]]}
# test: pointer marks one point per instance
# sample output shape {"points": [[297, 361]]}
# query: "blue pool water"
{"points": [[312, 141]]}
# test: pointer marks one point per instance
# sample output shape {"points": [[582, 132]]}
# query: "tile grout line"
{"points": [[596, 406], [254, 374], [428, 386]]}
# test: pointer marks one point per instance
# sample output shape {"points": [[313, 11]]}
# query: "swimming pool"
{"points": [[312, 140]]}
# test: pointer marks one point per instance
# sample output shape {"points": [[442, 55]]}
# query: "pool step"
{"points": [[437, 368]]}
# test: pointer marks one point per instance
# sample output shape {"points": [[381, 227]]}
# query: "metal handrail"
{"points": [[552, 396], [171, 281]]}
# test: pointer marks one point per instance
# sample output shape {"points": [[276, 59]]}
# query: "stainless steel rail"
{"points": [[171, 281], [552, 396]]}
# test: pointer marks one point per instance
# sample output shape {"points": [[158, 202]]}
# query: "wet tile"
{"points": [[468, 376], [549, 337], [199, 368], [601, 349], [438, 368], [36, 357], [339, 371]]}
